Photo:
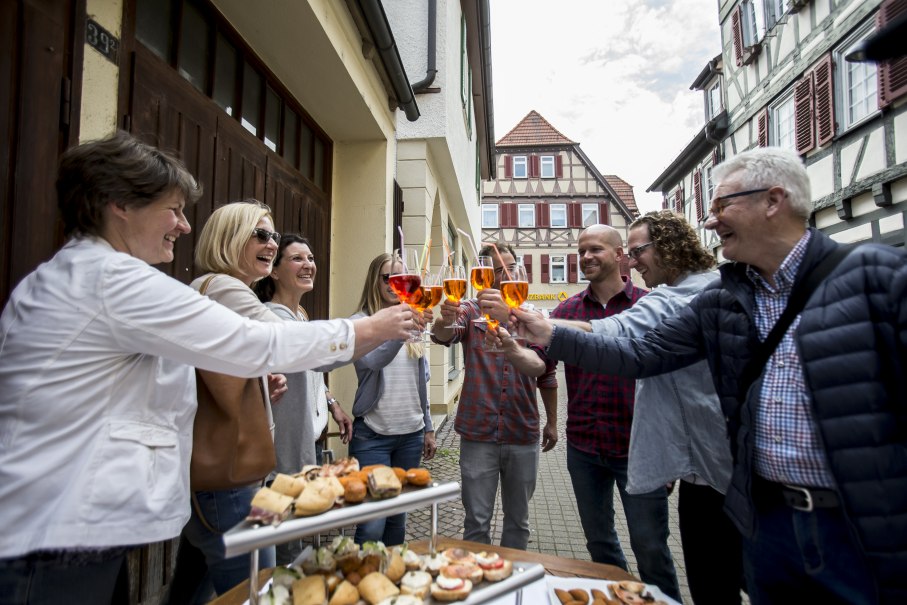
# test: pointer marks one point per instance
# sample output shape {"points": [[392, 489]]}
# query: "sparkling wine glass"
{"points": [[481, 275], [432, 291], [406, 282], [453, 282], [515, 288]]}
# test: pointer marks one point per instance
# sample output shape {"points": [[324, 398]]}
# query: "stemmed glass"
{"points": [[431, 295], [406, 282], [482, 276], [453, 282], [515, 288]]}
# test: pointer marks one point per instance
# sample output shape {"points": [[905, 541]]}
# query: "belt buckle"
{"points": [[806, 494]]}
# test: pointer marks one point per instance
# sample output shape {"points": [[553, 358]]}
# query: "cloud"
{"points": [[613, 76]]}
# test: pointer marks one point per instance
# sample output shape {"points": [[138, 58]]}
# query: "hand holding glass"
{"points": [[406, 282]]}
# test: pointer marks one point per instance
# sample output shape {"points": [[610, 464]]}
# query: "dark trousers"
{"points": [[804, 557], [712, 550], [31, 580]]}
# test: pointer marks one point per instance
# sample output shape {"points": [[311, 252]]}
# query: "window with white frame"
{"points": [[546, 166], [489, 216], [714, 99], [520, 170], [558, 215], [774, 10], [558, 270], [858, 83], [590, 215], [708, 186], [781, 117], [753, 16], [527, 215]]}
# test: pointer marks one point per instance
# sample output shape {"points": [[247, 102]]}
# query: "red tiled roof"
{"points": [[624, 190], [533, 130]]}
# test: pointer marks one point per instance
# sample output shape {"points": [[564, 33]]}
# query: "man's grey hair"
{"points": [[770, 167]]}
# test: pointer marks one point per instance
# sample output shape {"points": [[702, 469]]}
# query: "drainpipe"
{"points": [[431, 70], [387, 48]]}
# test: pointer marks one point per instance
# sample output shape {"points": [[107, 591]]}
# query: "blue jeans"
{"points": [[800, 557], [222, 510], [29, 580], [404, 451], [593, 480], [481, 465]]}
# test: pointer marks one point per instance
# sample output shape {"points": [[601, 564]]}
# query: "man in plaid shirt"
{"points": [[599, 416], [498, 417]]}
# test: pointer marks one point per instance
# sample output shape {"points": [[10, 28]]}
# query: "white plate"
{"points": [[588, 584]]}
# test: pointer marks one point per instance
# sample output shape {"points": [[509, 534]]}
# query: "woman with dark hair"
{"points": [[392, 423], [302, 416], [97, 388]]}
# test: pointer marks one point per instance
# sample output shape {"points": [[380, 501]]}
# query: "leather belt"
{"points": [[800, 497]]}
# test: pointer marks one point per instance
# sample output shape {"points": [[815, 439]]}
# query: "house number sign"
{"points": [[101, 40]]}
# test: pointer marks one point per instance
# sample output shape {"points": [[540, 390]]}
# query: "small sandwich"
{"points": [[318, 496], [344, 594], [433, 563], [375, 587], [383, 483], [466, 571], [269, 507], [459, 555], [320, 561], [494, 567], [394, 568], [285, 576], [411, 560], [310, 591], [288, 485], [346, 553], [417, 583], [450, 589]]}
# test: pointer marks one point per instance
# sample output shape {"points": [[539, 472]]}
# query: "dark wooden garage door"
{"points": [[167, 111]]}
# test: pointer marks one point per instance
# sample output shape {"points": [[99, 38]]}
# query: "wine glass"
{"points": [[453, 282], [432, 291], [515, 288], [406, 282], [481, 275]]}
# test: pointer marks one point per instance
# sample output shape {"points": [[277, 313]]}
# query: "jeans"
{"points": [[481, 465], [593, 479], [712, 551], [800, 557], [404, 451], [31, 581], [222, 510]]}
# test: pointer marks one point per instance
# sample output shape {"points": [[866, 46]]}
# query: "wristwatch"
{"points": [[331, 402]]}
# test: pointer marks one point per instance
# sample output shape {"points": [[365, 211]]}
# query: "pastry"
{"points": [[494, 567], [344, 594], [418, 476], [309, 591], [416, 583], [450, 589], [375, 587], [383, 483]]}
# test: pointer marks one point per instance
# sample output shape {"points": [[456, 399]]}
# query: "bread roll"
{"points": [[375, 587], [310, 591], [394, 568], [417, 583], [288, 485], [450, 589], [383, 483], [344, 594]]}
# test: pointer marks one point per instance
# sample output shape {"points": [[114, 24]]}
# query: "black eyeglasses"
{"points": [[635, 252], [386, 277], [719, 203], [263, 235]]}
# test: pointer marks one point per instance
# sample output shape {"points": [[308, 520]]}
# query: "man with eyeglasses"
{"points": [[819, 486], [599, 417]]}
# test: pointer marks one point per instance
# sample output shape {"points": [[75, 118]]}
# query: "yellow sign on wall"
{"points": [[561, 296]]}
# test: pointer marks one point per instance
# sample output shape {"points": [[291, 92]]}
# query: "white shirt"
{"points": [[97, 395]]}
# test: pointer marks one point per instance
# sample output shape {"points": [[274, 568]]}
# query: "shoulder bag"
{"points": [[232, 444]]}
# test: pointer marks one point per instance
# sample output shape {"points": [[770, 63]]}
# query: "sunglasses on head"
{"points": [[386, 277], [263, 235]]}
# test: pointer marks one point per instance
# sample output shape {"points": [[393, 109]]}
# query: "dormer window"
{"points": [[713, 98]]}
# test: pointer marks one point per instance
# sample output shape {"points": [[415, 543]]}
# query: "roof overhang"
{"points": [[711, 69], [478, 36], [706, 139]]}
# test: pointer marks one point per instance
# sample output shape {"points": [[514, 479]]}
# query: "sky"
{"points": [[612, 75]]}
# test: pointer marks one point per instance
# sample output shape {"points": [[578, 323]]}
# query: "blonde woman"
{"points": [[392, 423]]}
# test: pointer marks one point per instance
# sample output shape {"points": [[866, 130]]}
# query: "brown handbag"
{"points": [[232, 444]]}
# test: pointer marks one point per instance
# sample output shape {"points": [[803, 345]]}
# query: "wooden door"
{"points": [[39, 46]]}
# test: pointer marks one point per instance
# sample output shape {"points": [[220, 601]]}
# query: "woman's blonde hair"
{"points": [[225, 234], [371, 301]]}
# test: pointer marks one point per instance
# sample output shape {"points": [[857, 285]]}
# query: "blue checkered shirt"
{"points": [[787, 444]]}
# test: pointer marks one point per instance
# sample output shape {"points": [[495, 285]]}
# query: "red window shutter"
{"points": [[559, 166], [508, 166], [514, 215], [678, 200], [542, 215], [825, 101], [546, 269], [527, 262], [697, 191], [892, 74], [572, 269], [575, 215], [533, 166], [505, 215], [604, 217], [737, 30], [803, 113], [763, 127]]}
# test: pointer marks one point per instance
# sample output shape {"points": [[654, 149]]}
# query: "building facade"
{"points": [[547, 190], [782, 79]]}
